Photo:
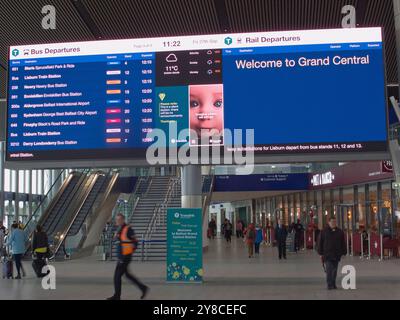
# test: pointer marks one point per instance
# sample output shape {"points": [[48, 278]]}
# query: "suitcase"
{"points": [[7, 269], [37, 266]]}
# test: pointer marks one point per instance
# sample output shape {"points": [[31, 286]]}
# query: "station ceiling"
{"points": [[82, 20]]}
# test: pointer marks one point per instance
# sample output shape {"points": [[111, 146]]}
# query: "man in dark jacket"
{"points": [[40, 249], [331, 248], [280, 236], [299, 229], [40, 243]]}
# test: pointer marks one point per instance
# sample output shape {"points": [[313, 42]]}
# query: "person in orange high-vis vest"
{"points": [[127, 246]]}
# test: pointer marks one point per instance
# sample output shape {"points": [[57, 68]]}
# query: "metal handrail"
{"points": [[207, 198], [106, 194], [48, 210], [158, 211], [65, 234], [39, 207]]}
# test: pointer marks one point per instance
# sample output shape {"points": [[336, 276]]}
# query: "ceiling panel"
{"points": [[21, 23], [152, 18]]}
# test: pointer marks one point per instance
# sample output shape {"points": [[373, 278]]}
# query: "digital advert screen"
{"points": [[298, 92]]}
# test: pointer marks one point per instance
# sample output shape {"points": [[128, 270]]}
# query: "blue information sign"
{"points": [[184, 245]]}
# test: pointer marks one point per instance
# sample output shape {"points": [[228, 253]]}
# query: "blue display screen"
{"points": [[311, 98]]}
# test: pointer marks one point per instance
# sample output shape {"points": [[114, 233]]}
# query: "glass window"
{"points": [[13, 182], [34, 182], [373, 208], [347, 212], [7, 180], [21, 181], [386, 210], [362, 210]]}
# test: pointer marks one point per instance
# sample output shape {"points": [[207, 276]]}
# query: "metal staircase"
{"points": [[150, 214], [152, 194]]}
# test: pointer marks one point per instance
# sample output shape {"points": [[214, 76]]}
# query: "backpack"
{"points": [[251, 234]]}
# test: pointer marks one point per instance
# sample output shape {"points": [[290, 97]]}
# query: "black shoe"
{"points": [[18, 277], [145, 291], [331, 288], [334, 287], [113, 298]]}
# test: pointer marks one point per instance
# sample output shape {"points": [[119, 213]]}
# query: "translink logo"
{"points": [[15, 52], [228, 41]]}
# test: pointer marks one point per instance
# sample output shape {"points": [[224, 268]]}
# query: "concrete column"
{"points": [[16, 201], [42, 182], [191, 195], [191, 187], [28, 190]]}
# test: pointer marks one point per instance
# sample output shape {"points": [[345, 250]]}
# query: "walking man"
{"points": [[331, 248], [127, 246], [281, 235]]}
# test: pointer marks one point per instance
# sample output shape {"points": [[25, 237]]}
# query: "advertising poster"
{"points": [[184, 245]]}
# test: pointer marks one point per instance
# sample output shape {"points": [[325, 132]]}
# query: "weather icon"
{"points": [[171, 58]]}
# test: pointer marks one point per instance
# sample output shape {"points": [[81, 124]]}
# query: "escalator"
{"points": [[83, 222], [49, 222], [98, 188], [53, 203]]}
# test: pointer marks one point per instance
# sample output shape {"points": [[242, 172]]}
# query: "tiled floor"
{"points": [[229, 274]]}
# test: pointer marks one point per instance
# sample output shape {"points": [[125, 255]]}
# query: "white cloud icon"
{"points": [[171, 58]]}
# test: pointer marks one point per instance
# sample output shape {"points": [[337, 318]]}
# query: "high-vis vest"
{"points": [[127, 245]]}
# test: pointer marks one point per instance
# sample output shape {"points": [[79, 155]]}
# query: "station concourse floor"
{"points": [[229, 274]]}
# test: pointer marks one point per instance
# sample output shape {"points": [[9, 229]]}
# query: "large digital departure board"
{"points": [[302, 92]]}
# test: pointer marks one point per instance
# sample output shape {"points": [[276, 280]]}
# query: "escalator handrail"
{"points": [[91, 206], [76, 212], [105, 195], [82, 179], [47, 195], [48, 210]]}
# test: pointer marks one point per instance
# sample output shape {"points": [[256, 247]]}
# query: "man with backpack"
{"points": [[250, 239], [127, 246]]}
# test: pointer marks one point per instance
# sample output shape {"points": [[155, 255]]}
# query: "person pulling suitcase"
{"points": [[17, 241], [8, 269]]}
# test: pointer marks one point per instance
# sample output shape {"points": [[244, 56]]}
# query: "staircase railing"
{"points": [[158, 216], [136, 196], [207, 197]]}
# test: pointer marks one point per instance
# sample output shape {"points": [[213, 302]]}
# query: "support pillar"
{"points": [[191, 194], [16, 201], [191, 187], [29, 192]]}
